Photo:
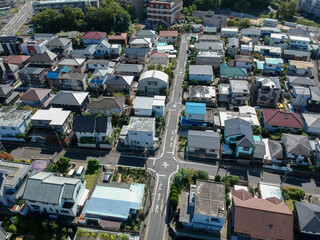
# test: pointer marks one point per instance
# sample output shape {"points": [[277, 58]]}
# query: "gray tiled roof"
{"points": [[129, 68], [233, 42], [204, 139], [136, 51], [59, 42], [315, 93], [84, 123], [238, 126], [296, 144], [308, 217], [275, 148], [200, 69]]}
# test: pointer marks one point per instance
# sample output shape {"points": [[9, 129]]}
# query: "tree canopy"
{"points": [[109, 17], [287, 10]]}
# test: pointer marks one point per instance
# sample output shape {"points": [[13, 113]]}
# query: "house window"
{"points": [[214, 219], [149, 134], [3, 128], [246, 148], [13, 128]]}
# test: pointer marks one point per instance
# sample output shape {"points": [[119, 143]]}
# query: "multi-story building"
{"points": [[52, 194], [310, 6], [267, 90], [164, 12], [240, 92], [58, 5], [299, 43]]}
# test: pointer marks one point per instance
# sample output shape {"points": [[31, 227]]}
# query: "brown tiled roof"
{"points": [[168, 33], [16, 59], [118, 36], [35, 94], [159, 54], [262, 218]]}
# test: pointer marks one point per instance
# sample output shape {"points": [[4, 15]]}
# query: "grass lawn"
{"points": [[290, 204], [91, 178]]}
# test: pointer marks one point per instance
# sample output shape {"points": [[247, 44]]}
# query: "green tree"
{"points": [[48, 20], [123, 237], [13, 229], [152, 66], [245, 23], [287, 10], [114, 119], [178, 179], [93, 165], [159, 67], [63, 164], [217, 178], [201, 174]]}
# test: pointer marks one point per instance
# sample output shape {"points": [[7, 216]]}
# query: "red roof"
{"points": [[262, 218], [118, 36], [16, 59], [168, 33], [159, 54], [274, 117], [94, 35]]}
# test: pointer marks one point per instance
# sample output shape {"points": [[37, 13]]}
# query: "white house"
{"points": [[207, 204], [98, 80], [277, 40], [12, 178], [269, 22], [139, 133], [229, 32], [153, 82], [94, 64], [47, 193], [103, 48], [13, 122], [311, 122], [244, 61], [140, 43], [34, 47], [299, 43], [54, 118], [146, 106], [300, 96], [201, 73]]}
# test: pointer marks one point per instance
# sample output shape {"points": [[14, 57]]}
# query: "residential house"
{"points": [[36, 97], [103, 48], [197, 28], [140, 133], [224, 91], [55, 119], [299, 96], [311, 123], [195, 112], [201, 73], [209, 46], [269, 22], [258, 218], [299, 81], [92, 130], [136, 55], [13, 177], [278, 40], [159, 57], [93, 37], [268, 51], [267, 31], [106, 105], [238, 135], [146, 34], [259, 152], [47, 60], [252, 33], [55, 195], [299, 43], [77, 65], [300, 68], [299, 32], [209, 30], [308, 222], [207, 142], [60, 46], [229, 32], [93, 64], [290, 54], [246, 49], [168, 36], [11, 44], [119, 83], [211, 19], [73, 35], [7, 95], [43, 36], [13, 63], [70, 81], [87, 53], [274, 119], [32, 47], [240, 92], [128, 70], [274, 151], [271, 66], [244, 61], [208, 38], [314, 101], [98, 79], [232, 46], [13, 122], [267, 91], [228, 73], [70, 100], [153, 82], [116, 50], [296, 147], [118, 38], [140, 43], [127, 197], [203, 210], [246, 113], [210, 58], [205, 94], [33, 77], [149, 106]]}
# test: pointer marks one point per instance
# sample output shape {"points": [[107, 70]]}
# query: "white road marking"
{"points": [[165, 164]]}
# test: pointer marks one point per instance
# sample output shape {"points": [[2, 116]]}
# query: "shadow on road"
{"points": [[134, 162]]}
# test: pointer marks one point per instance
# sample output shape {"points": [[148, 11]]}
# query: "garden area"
{"points": [[182, 143], [160, 122], [83, 234], [291, 195], [88, 140], [131, 175], [61, 166], [36, 228], [92, 173]]}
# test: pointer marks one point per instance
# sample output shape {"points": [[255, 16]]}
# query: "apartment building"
{"points": [[59, 4], [164, 12]]}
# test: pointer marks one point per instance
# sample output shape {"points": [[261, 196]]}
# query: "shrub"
{"points": [[13, 229], [217, 178], [231, 179], [174, 201], [201, 174], [178, 179], [93, 165]]}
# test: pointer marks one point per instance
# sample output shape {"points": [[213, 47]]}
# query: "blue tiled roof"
{"points": [[184, 121], [65, 69], [273, 61], [53, 75], [195, 108]]}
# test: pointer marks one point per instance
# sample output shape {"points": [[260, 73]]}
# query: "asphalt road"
{"points": [[16, 22]]}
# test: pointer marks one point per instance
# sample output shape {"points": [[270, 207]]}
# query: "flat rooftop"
{"points": [[56, 116], [141, 124], [12, 172], [11, 117]]}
